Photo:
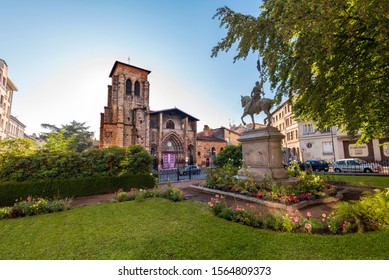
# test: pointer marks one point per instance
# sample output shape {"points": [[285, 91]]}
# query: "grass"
{"points": [[160, 229], [360, 181]]}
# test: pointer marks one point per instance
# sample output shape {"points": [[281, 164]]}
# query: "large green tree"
{"points": [[330, 57], [77, 134]]}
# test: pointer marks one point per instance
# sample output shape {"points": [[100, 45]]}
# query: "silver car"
{"points": [[356, 165]]}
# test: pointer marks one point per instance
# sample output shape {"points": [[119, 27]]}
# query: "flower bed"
{"points": [[368, 214], [271, 203], [34, 206], [310, 189]]}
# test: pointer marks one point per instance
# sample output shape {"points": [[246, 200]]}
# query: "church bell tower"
{"points": [[126, 117]]}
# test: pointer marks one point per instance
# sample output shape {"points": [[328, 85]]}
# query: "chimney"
{"points": [[207, 130]]}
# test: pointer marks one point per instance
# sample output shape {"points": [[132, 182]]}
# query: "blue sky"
{"points": [[60, 54]]}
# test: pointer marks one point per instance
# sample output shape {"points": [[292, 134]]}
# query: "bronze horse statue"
{"points": [[263, 104]]}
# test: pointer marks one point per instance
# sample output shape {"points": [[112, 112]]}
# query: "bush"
{"points": [[43, 164], [73, 187], [371, 212], [230, 154], [172, 194]]}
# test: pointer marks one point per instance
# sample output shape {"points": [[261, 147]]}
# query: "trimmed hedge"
{"points": [[43, 165], [72, 187]]}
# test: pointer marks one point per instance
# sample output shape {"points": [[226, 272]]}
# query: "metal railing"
{"points": [[176, 175], [375, 168]]}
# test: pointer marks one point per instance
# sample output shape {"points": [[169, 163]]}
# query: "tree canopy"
{"points": [[74, 136], [331, 58]]}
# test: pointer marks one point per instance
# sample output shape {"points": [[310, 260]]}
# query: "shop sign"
{"points": [[358, 150]]}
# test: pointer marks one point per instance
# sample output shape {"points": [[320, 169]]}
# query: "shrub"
{"points": [[230, 154], [44, 164], [73, 187], [172, 194], [371, 212], [136, 161]]}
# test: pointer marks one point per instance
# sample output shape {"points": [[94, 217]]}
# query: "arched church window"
{"points": [[170, 124], [128, 87], [137, 88]]}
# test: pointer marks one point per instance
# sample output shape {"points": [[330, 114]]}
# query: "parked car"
{"points": [[317, 165], [356, 165], [193, 169]]}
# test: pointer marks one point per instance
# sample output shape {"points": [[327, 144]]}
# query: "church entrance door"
{"points": [[169, 160]]}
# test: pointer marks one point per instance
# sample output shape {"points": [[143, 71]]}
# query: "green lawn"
{"points": [[160, 229], [361, 181]]}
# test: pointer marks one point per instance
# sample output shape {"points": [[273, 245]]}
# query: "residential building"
{"points": [[303, 141], [10, 126], [15, 128], [212, 141]]}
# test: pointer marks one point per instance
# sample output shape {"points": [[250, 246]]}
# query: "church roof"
{"points": [[128, 65], [210, 138], [174, 111]]}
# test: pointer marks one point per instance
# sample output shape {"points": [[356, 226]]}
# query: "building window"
{"points": [[170, 124], [128, 87], [326, 130], [296, 134], [327, 148], [308, 129], [137, 88]]}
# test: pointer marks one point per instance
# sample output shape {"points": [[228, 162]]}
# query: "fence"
{"points": [[176, 175], [348, 166]]}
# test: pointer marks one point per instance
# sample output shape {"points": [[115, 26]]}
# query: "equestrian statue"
{"points": [[255, 104]]}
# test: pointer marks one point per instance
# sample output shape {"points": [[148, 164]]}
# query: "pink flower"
{"points": [[295, 219], [210, 204], [238, 208], [308, 226], [309, 214]]}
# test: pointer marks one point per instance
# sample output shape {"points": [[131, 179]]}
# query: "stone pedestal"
{"points": [[261, 149]]}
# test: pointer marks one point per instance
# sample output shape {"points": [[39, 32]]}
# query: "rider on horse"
{"points": [[255, 94]]}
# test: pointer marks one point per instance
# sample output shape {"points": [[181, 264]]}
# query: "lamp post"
{"points": [[333, 148]]}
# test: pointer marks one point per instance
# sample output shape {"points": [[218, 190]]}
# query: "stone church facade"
{"points": [[169, 135]]}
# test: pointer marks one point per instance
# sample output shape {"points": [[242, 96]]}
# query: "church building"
{"points": [[169, 135]]}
